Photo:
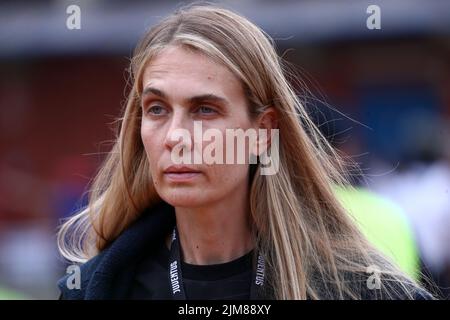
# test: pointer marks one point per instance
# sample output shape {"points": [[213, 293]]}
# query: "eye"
{"points": [[156, 110], [206, 110]]}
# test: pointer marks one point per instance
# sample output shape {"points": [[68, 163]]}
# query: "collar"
{"points": [[109, 274]]}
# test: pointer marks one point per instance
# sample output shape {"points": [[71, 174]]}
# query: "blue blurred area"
{"points": [[390, 110]]}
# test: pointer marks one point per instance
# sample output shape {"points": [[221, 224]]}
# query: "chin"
{"points": [[185, 198]]}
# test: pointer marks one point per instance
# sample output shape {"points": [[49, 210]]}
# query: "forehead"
{"points": [[181, 71]]}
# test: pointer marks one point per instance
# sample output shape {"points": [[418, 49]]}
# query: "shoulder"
{"points": [[97, 274], [396, 289], [421, 294], [363, 286], [73, 285]]}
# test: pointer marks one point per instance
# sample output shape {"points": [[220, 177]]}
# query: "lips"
{"points": [[181, 169], [181, 173]]}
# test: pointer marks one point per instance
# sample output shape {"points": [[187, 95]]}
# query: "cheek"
{"points": [[228, 177], [152, 144]]}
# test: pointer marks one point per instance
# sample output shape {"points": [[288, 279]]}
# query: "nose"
{"points": [[179, 132]]}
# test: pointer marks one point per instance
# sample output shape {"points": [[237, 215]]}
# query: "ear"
{"points": [[265, 122]]}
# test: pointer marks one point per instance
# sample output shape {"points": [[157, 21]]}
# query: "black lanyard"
{"points": [[176, 278]]}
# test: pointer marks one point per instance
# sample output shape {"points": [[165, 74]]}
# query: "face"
{"points": [[181, 87]]}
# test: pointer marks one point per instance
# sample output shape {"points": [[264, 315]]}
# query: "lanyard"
{"points": [[176, 278]]}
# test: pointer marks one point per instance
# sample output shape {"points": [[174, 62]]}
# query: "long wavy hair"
{"points": [[312, 247]]}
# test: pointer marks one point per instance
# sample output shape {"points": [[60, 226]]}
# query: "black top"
{"points": [[227, 281]]}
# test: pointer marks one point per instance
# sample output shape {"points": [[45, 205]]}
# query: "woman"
{"points": [[155, 229]]}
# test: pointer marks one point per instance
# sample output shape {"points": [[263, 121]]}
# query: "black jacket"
{"points": [[110, 274]]}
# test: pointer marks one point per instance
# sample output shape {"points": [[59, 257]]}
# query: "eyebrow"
{"points": [[192, 100]]}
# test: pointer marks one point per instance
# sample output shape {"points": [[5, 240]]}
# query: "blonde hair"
{"points": [[312, 248]]}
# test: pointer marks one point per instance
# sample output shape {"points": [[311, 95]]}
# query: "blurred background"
{"points": [[382, 96]]}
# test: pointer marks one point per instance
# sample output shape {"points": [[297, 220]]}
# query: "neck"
{"points": [[214, 234]]}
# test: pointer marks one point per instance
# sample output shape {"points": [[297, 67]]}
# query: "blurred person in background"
{"points": [[421, 187], [382, 221], [410, 230], [385, 225]]}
